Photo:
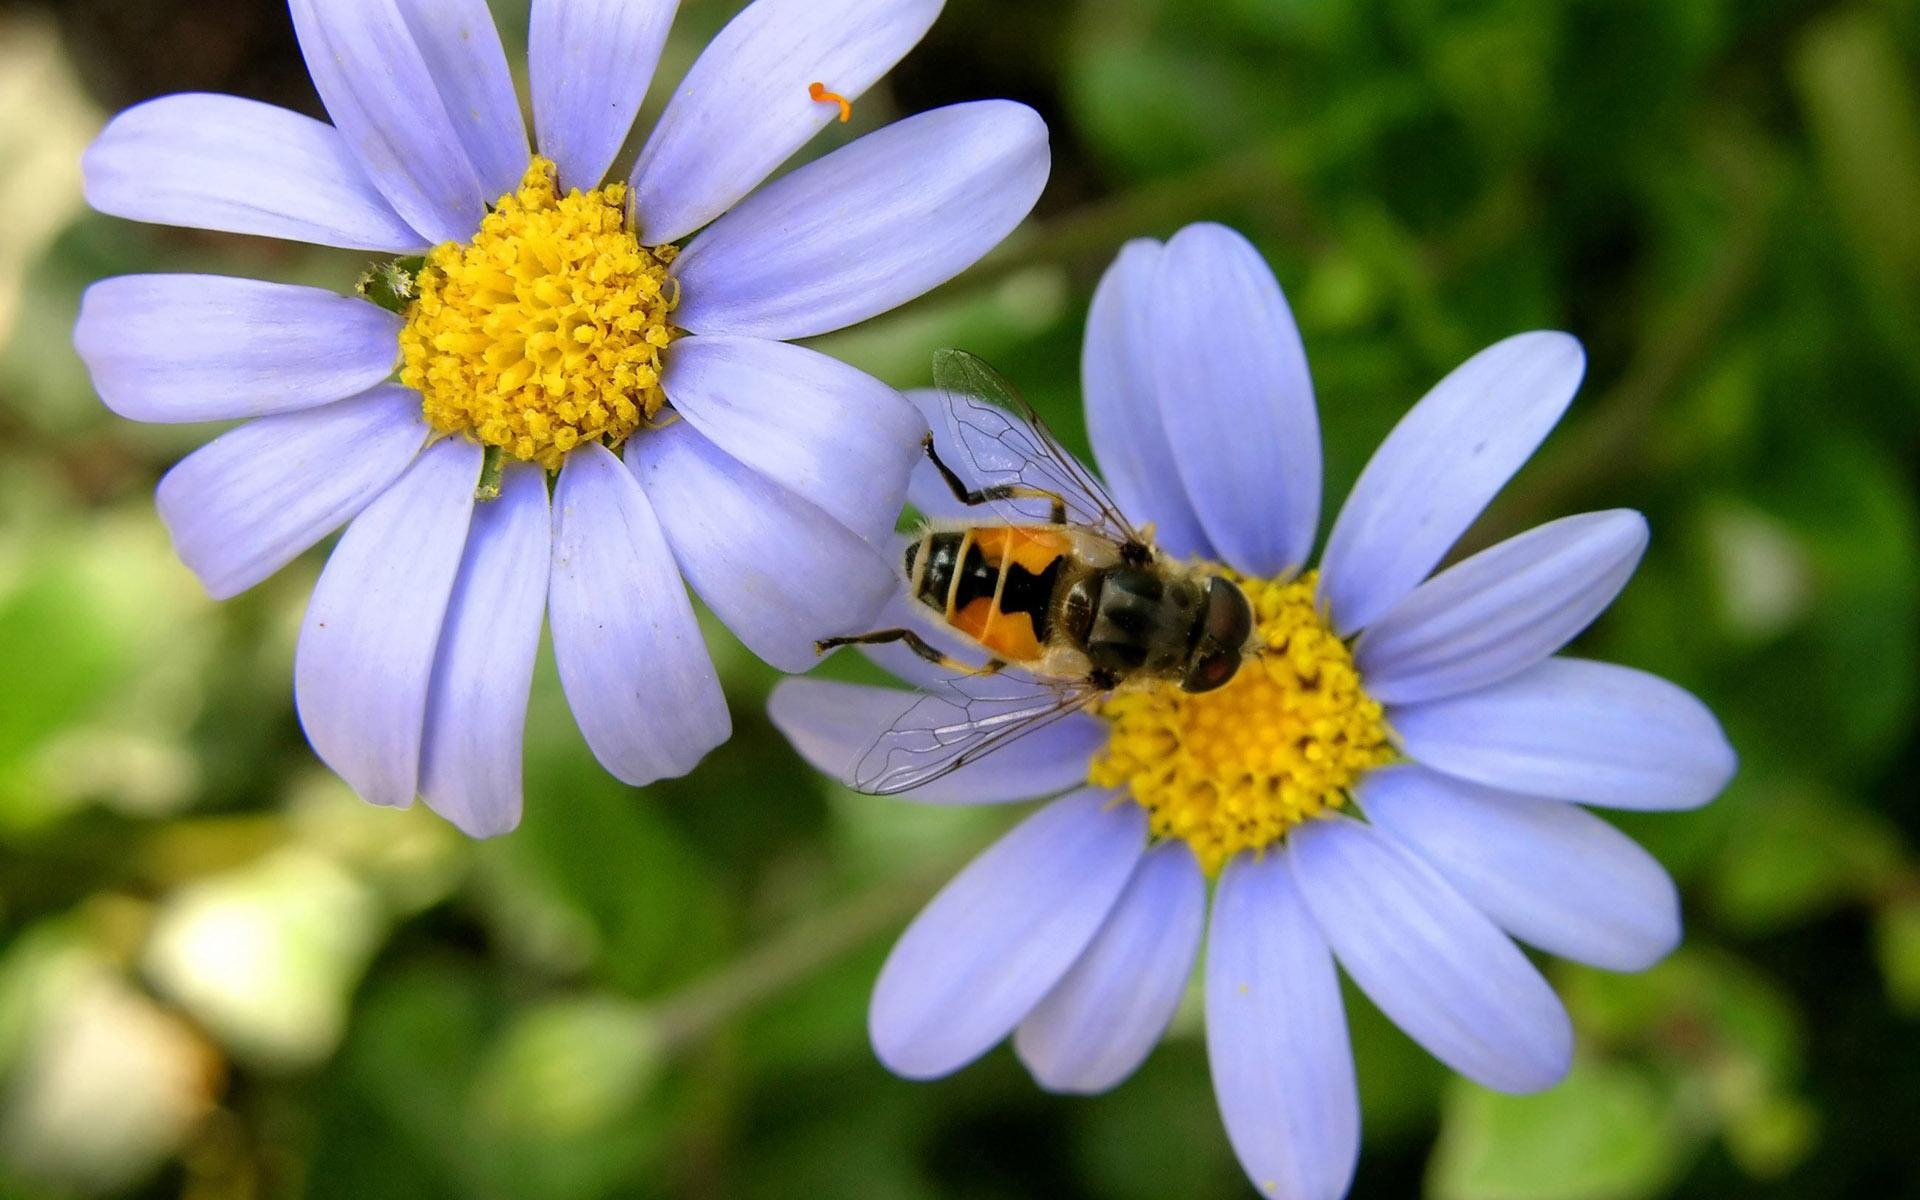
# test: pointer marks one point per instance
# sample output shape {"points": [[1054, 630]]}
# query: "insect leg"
{"points": [[915, 643], [1002, 491]]}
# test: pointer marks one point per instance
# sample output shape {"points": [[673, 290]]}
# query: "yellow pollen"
{"points": [[545, 330], [1281, 743]]}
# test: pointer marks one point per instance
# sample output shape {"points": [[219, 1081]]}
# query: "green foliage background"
{"points": [[223, 977]]}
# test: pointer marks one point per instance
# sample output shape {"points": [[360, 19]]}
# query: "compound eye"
{"points": [[1210, 670], [1229, 620], [1223, 634]]}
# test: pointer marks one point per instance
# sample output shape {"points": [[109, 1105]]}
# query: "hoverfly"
{"points": [[1066, 607]]}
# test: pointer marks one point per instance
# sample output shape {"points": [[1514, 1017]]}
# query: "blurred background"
{"points": [[223, 977]]}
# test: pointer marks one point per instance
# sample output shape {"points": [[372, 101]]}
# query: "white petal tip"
{"points": [[218, 590], [1535, 1068], [1066, 1085], [480, 829], [902, 1060], [1553, 344], [1724, 765], [1647, 956], [1629, 525], [1715, 768], [1022, 122], [1535, 1077]]}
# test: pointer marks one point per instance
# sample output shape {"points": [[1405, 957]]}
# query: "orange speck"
{"points": [[820, 93]]}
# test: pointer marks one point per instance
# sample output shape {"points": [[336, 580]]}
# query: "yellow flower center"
{"points": [[1281, 743], [545, 330]]}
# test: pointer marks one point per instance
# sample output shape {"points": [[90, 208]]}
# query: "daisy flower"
{"points": [[1396, 784], [542, 320]]}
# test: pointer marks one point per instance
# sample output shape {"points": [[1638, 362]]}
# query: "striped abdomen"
{"points": [[993, 583]]}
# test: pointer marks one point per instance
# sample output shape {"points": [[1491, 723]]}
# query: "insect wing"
{"points": [[959, 722], [1006, 443]]}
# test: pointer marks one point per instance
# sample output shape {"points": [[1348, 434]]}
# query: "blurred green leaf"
{"points": [[1857, 88], [829, 1139], [566, 1103], [37, 360], [569, 1067], [36, 967], [1796, 851], [62, 656], [1400, 1083], [1771, 1136], [1728, 1038], [899, 347], [1837, 692], [822, 1021], [395, 1122], [877, 835], [443, 1090], [1897, 942], [104, 637], [1495, 72], [1609, 1131], [1158, 107], [595, 863], [1124, 1135], [1697, 1006]]}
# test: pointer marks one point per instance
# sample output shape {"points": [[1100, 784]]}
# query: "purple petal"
{"points": [[1236, 400], [867, 228], [361, 670], [822, 430], [832, 725], [631, 658], [1501, 611], [1123, 408], [778, 571], [1002, 933], [378, 86], [744, 107], [1569, 729], [171, 348], [477, 705], [1434, 964], [1277, 1037], [1102, 1019], [1551, 874], [239, 166], [461, 46], [590, 62], [250, 501], [1440, 466]]}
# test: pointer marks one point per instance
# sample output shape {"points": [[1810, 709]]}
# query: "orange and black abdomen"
{"points": [[994, 583]]}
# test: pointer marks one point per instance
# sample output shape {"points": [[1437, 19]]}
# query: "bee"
{"points": [[1063, 599]]}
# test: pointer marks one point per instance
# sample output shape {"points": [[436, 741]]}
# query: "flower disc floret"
{"points": [[1283, 742], [545, 330]]}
